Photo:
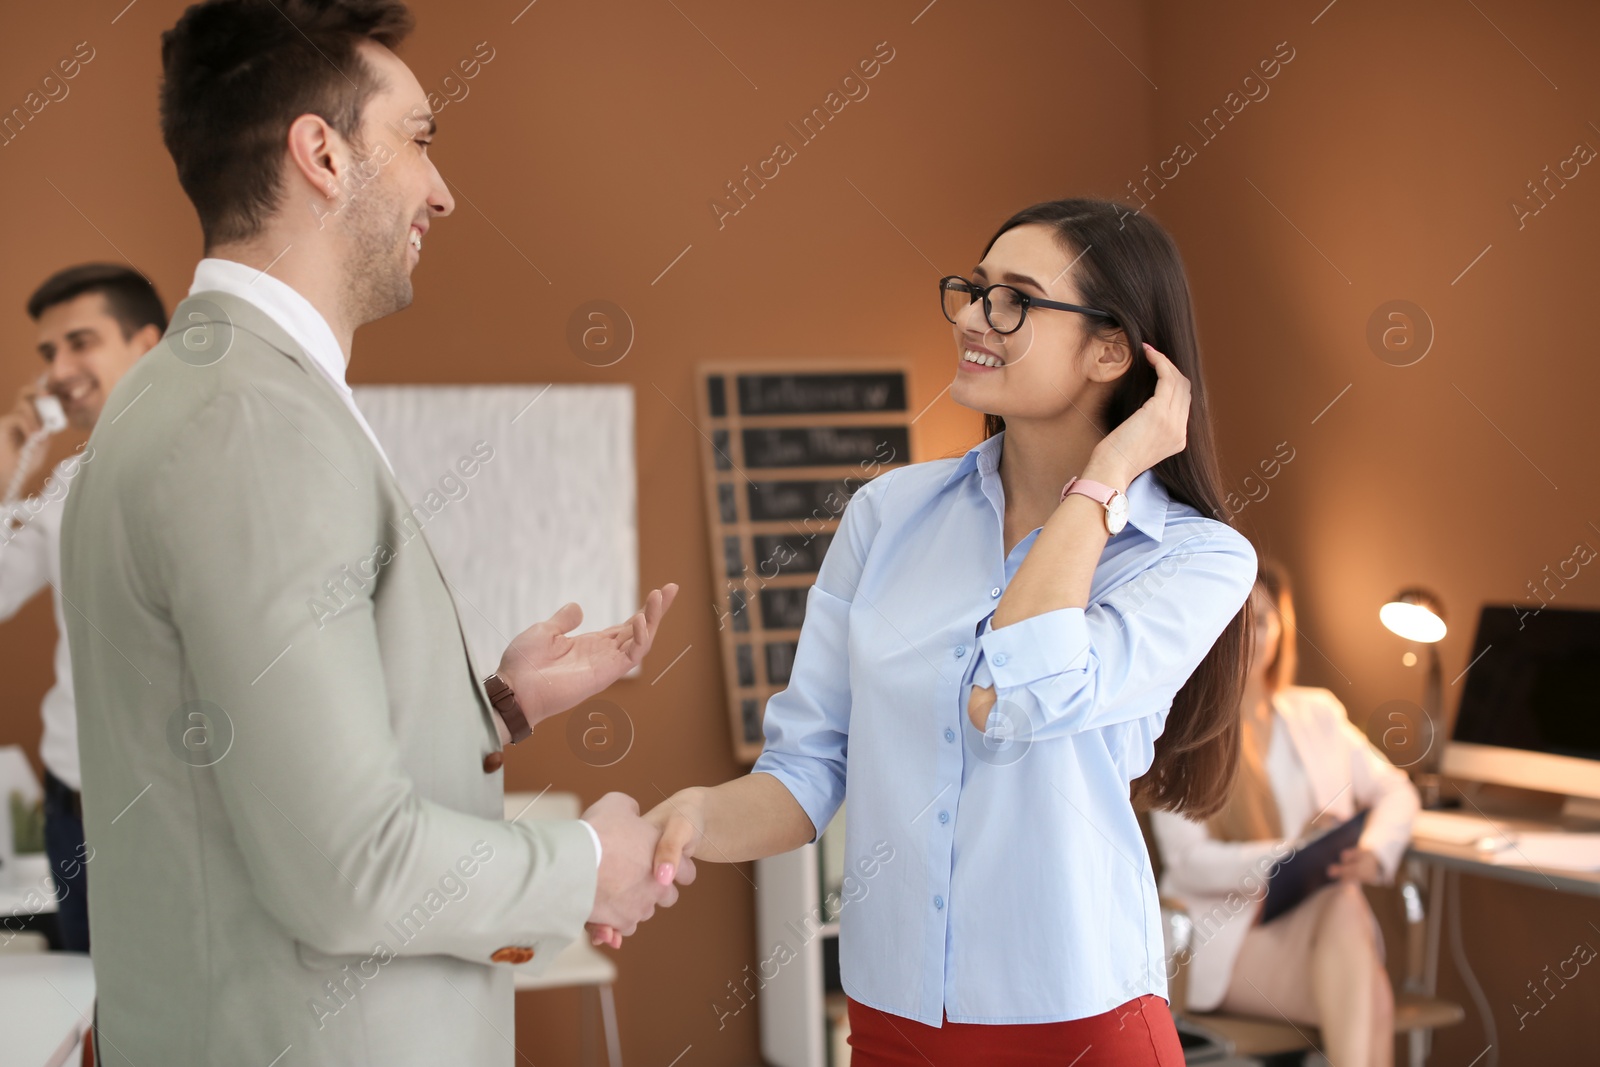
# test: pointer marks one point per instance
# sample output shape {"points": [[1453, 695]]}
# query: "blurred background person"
{"points": [[94, 322], [1303, 767]]}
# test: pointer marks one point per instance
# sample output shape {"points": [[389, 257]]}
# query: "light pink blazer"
{"points": [[1221, 883]]}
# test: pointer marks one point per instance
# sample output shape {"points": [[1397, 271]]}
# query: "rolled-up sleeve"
{"points": [[807, 725], [1126, 655]]}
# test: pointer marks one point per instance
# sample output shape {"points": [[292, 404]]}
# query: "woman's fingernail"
{"points": [[664, 873]]}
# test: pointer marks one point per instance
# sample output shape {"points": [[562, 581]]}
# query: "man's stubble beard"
{"points": [[377, 281]]}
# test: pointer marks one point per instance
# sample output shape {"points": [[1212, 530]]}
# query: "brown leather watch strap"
{"points": [[505, 703]]}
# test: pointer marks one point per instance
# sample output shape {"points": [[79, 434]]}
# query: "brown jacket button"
{"points": [[492, 762], [512, 954]]}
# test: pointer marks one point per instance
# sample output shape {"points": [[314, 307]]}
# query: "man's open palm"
{"points": [[551, 669]]}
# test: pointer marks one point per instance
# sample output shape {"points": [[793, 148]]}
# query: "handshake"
{"points": [[643, 861]]}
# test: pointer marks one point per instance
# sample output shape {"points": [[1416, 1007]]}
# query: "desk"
{"points": [[1465, 858], [1447, 860]]}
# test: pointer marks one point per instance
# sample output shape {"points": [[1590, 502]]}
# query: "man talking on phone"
{"points": [[300, 849], [94, 321]]}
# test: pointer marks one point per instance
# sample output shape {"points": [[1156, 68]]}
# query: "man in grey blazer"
{"points": [[295, 817]]}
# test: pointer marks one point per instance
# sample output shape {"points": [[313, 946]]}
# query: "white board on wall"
{"points": [[548, 513]]}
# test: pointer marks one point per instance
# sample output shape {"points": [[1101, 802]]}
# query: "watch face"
{"points": [[1117, 513]]}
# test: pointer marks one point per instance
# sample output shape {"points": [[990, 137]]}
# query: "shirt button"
{"points": [[492, 762], [949, 735], [961, 650], [1000, 659], [944, 816], [938, 902], [995, 591]]}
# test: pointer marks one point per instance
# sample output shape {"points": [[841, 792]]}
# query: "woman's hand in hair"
{"points": [[1157, 430]]}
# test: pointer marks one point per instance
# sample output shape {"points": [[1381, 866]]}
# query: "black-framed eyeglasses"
{"points": [[1004, 308]]}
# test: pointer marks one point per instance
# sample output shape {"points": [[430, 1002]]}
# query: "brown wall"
{"points": [[593, 142], [1390, 149]]}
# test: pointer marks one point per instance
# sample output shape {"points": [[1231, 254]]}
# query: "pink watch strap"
{"points": [[1097, 491]]}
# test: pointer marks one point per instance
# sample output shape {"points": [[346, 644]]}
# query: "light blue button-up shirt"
{"points": [[1017, 888]]}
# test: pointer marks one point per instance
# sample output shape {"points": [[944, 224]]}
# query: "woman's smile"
{"points": [[975, 357]]}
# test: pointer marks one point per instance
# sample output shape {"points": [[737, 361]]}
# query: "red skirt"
{"points": [[1137, 1034]]}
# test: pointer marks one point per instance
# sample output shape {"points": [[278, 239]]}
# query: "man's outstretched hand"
{"points": [[550, 669], [629, 887]]}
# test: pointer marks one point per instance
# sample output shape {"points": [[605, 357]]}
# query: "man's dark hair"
{"points": [[237, 73], [130, 297]]}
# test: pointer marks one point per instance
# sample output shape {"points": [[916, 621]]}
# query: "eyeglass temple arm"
{"points": [[1035, 301]]}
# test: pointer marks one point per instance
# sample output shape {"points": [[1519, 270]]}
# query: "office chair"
{"points": [[1415, 1013]]}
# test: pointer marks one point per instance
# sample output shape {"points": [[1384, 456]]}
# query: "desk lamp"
{"points": [[1417, 615]]}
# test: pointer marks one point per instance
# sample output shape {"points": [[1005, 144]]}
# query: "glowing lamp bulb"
{"points": [[1413, 616]]}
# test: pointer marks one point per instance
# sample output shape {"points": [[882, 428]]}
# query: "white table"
{"points": [[26, 887], [580, 964], [46, 1004]]}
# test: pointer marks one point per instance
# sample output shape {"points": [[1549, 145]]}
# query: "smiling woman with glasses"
{"points": [[1002, 655]]}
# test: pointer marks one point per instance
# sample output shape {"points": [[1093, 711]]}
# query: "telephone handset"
{"points": [[51, 414], [52, 419]]}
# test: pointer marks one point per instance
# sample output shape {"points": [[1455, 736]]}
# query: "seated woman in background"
{"points": [[1302, 767]]}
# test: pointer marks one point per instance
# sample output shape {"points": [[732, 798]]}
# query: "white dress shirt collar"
{"points": [[299, 319], [294, 313]]}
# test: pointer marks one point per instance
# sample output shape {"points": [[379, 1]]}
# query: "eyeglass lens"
{"points": [[1003, 311]]}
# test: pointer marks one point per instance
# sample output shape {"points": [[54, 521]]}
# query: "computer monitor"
{"points": [[1530, 704]]}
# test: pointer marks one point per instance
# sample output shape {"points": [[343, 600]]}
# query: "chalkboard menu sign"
{"points": [[785, 446]]}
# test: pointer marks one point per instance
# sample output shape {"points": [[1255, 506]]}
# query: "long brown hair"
{"points": [[1127, 265], [1251, 813], [1273, 579]]}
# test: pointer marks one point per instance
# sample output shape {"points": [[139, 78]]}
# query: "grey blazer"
{"points": [[298, 848]]}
